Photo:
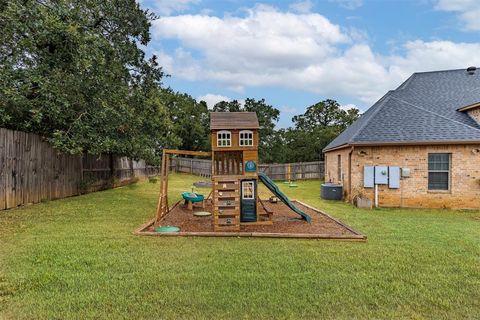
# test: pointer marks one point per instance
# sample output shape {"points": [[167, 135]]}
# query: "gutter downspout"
{"points": [[350, 174]]}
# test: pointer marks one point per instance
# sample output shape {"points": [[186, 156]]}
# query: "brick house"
{"points": [[426, 134]]}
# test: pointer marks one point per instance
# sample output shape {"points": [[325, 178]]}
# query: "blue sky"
{"points": [[296, 53]]}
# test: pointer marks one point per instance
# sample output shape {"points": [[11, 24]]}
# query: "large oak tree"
{"points": [[75, 71]]}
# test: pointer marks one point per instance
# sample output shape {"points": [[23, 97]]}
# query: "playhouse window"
{"points": [[248, 190], [224, 138], [438, 171], [246, 138]]}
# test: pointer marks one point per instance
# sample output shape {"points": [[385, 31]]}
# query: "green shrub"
{"points": [[85, 184], [153, 179]]}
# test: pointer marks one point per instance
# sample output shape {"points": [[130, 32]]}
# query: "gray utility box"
{"points": [[368, 177], [394, 177], [381, 175], [373, 175]]}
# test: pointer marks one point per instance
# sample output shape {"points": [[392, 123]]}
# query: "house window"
{"points": [[224, 138], [438, 171], [339, 168], [246, 138], [248, 191]]}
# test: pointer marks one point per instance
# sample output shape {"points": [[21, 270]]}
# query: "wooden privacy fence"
{"points": [[31, 170], [294, 171], [199, 167], [284, 171]]}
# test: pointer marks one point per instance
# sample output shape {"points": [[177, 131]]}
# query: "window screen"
{"points": [[438, 171]]}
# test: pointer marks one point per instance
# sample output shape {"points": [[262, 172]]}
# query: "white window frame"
{"points": [[448, 172], [244, 183], [248, 139], [224, 142]]}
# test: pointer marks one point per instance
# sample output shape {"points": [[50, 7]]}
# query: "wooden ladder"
{"points": [[226, 204]]}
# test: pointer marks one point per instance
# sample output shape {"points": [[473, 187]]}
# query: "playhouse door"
{"points": [[248, 206]]}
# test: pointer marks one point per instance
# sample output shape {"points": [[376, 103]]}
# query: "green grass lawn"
{"points": [[76, 258]]}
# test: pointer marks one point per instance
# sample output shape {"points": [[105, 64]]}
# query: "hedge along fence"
{"points": [[284, 171], [31, 170]]}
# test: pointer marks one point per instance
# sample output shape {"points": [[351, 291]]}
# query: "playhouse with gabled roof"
{"points": [[234, 169]]}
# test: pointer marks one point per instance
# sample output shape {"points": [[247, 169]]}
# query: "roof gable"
{"points": [[470, 107], [423, 109]]}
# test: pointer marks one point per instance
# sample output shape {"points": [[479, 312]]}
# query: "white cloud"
{"points": [[349, 106], [212, 99], [167, 7], [267, 47], [349, 4], [436, 55], [302, 6], [468, 10]]}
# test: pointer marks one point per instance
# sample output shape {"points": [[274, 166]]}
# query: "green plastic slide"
{"points": [[276, 191]]}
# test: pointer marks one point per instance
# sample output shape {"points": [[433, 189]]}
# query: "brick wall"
{"points": [[413, 192], [475, 114], [331, 168]]}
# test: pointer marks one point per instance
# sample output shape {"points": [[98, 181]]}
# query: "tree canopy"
{"points": [[75, 72], [316, 128], [190, 120]]}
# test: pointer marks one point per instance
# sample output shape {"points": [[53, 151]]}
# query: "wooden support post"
{"points": [[162, 183], [162, 206], [167, 166]]}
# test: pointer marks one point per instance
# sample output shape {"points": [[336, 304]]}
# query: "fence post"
{"points": [[81, 166], [130, 167], [112, 166]]}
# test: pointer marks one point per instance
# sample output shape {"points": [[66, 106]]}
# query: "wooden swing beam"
{"points": [[162, 206]]}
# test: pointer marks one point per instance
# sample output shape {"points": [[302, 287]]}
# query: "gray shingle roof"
{"points": [[423, 109]]}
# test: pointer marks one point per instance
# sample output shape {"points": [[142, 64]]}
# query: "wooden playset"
{"points": [[233, 207], [234, 155], [235, 176]]}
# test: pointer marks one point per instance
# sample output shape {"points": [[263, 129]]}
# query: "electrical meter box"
{"points": [[405, 172], [394, 177], [368, 177], [381, 175]]}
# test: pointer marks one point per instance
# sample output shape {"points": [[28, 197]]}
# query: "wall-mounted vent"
{"points": [[471, 70]]}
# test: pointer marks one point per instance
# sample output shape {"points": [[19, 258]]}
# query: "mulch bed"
{"points": [[286, 224]]}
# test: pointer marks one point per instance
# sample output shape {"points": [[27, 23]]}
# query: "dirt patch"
{"points": [[286, 223]]}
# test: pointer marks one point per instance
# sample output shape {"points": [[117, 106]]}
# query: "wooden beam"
{"points": [[188, 153], [162, 183], [165, 186]]}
